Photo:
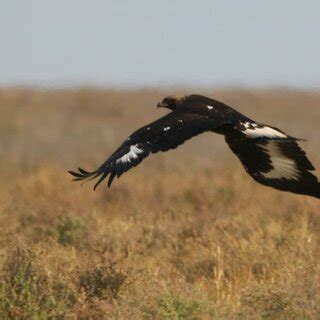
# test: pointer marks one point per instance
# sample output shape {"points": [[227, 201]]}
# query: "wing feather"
{"points": [[274, 159], [164, 134]]}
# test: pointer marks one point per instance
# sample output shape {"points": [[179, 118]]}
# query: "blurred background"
{"points": [[187, 234], [150, 43]]}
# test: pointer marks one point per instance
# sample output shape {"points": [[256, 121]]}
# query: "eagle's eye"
{"points": [[168, 102]]}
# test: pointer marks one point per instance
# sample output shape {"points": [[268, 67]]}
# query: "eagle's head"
{"points": [[170, 102]]}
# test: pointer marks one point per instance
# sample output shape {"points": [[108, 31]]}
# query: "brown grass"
{"points": [[186, 235]]}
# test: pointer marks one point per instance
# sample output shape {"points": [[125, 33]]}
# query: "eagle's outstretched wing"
{"points": [[166, 133], [273, 158], [269, 155]]}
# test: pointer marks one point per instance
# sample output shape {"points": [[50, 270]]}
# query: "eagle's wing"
{"points": [[273, 158], [166, 133]]}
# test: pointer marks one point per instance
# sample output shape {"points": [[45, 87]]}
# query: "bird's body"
{"points": [[269, 155]]}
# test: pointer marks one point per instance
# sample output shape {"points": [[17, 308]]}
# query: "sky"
{"points": [[139, 43]]}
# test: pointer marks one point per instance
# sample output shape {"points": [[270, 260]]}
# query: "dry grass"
{"points": [[186, 235]]}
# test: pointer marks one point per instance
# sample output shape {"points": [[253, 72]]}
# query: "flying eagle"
{"points": [[269, 155]]}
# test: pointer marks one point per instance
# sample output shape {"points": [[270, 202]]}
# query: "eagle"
{"points": [[269, 155]]}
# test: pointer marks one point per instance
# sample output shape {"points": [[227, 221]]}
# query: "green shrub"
{"points": [[71, 230]]}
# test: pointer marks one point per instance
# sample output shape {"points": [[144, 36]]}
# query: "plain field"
{"points": [[186, 235]]}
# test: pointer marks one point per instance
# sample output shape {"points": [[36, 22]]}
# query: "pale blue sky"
{"points": [[147, 43]]}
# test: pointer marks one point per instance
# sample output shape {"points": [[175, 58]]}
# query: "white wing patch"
{"points": [[210, 107], [253, 131], [166, 128], [283, 167], [131, 155]]}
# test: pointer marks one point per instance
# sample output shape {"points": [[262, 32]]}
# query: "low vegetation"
{"points": [[186, 235]]}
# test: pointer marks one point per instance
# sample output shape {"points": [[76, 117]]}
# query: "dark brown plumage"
{"points": [[269, 155]]}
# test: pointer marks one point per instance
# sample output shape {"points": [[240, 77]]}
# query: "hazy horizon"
{"points": [[149, 44]]}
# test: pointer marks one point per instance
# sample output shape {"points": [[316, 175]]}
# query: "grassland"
{"points": [[186, 235]]}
